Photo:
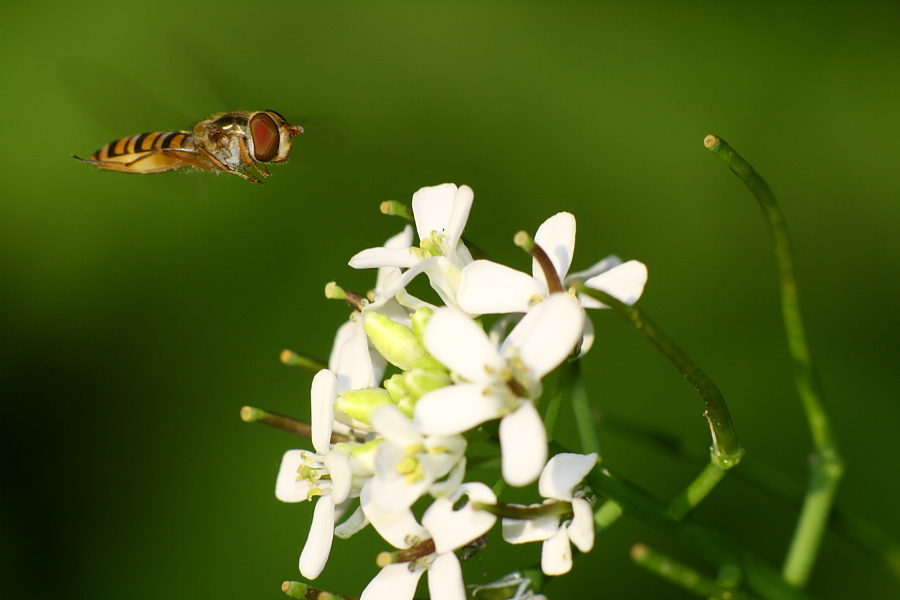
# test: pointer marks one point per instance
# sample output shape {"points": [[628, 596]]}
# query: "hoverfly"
{"points": [[231, 142]]}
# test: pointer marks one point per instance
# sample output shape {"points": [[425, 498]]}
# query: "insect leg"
{"points": [[222, 166], [249, 162], [188, 158]]}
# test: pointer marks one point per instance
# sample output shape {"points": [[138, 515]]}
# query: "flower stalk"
{"points": [[305, 361], [826, 464], [517, 511], [682, 575], [726, 451], [303, 591], [251, 414]]}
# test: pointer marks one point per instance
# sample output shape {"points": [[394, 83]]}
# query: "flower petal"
{"points": [[587, 337], [556, 554], [598, 267], [625, 283], [522, 531], [338, 464], [352, 524], [459, 344], [452, 529], [445, 581], [462, 205], [351, 359], [489, 288], [395, 426], [563, 472], [287, 487], [393, 582], [391, 489], [402, 241], [547, 334], [557, 238], [373, 258], [453, 409], [523, 445], [318, 544], [451, 483], [444, 277], [398, 528], [581, 529], [432, 207], [444, 452], [324, 391], [397, 284]]}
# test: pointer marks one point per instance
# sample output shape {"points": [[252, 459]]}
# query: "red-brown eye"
{"points": [[265, 137]]}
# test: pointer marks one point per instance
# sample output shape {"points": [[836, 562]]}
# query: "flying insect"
{"points": [[241, 143]]}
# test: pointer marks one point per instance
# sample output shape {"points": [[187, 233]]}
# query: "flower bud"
{"points": [[396, 342], [359, 404], [396, 387], [425, 376], [420, 319]]}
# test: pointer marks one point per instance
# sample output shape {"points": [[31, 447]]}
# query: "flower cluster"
{"points": [[381, 445]]}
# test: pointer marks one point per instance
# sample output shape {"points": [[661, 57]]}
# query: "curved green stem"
{"points": [[827, 466], [726, 449]]}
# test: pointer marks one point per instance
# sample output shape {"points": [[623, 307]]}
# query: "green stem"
{"points": [[559, 391], [251, 414], [698, 489], [852, 526], [759, 577], [581, 405], [304, 591], [608, 512], [525, 513], [682, 575], [726, 450], [310, 363], [826, 464]]}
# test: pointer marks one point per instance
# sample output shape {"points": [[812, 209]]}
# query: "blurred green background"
{"points": [[139, 313]]}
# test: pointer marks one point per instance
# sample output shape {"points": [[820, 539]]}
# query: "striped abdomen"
{"points": [[147, 153]]}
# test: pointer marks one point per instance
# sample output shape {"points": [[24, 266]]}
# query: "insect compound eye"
{"points": [[266, 137]]}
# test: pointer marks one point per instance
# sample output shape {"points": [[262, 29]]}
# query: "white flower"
{"points": [[499, 383], [440, 213], [558, 481], [326, 473], [449, 530], [355, 363], [488, 288], [408, 464]]}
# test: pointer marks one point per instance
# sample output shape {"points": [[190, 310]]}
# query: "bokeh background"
{"points": [[139, 313]]}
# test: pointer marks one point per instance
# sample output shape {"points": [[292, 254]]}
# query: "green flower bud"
{"points": [[394, 341], [359, 404], [420, 319], [396, 387], [426, 375]]}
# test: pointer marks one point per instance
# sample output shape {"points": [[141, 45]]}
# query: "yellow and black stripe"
{"points": [[145, 142]]}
